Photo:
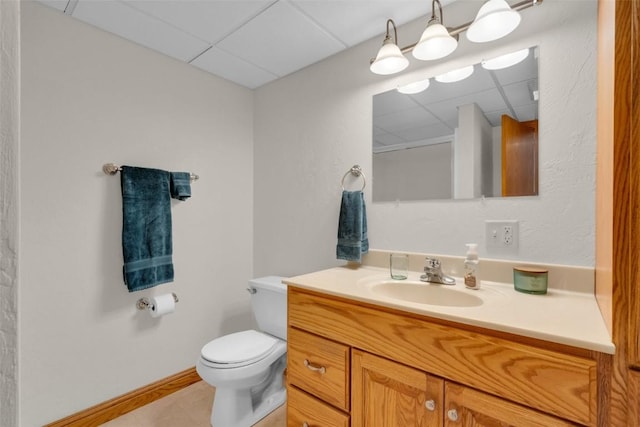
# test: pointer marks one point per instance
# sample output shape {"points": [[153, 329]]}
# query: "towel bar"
{"points": [[112, 169], [356, 171], [145, 303]]}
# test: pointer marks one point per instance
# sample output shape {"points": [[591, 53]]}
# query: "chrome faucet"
{"points": [[433, 273]]}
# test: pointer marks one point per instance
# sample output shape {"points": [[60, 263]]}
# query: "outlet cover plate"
{"points": [[502, 236]]}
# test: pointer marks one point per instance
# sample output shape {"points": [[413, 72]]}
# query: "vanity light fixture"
{"points": [[494, 20], [505, 61], [436, 42], [413, 88], [455, 75], [390, 59]]}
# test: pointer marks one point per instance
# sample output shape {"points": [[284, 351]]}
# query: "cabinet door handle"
{"points": [[313, 368], [452, 414], [430, 405]]}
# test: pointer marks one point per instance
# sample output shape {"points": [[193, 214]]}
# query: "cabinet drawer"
{"points": [[319, 366], [303, 408]]}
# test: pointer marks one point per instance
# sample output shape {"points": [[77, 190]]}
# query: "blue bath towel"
{"points": [[180, 185], [352, 227], [146, 227]]}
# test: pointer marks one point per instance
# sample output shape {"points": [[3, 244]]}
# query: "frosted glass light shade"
{"points": [[415, 87], [505, 61], [435, 43], [455, 75], [494, 20], [389, 60]]}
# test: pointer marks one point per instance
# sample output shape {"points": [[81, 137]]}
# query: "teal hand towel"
{"points": [[146, 227], [352, 227], [180, 185]]}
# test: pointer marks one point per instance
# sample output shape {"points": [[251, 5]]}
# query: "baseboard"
{"points": [[111, 409]]}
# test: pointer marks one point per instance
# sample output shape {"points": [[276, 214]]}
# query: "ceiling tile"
{"points": [[118, 18], [232, 68], [282, 40], [405, 119], [489, 100], [356, 21], [427, 132], [519, 94], [385, 138], [390, 102], [209, 20]]}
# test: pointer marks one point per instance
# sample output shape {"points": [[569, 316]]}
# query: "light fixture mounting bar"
{"points": [[525, 4]]}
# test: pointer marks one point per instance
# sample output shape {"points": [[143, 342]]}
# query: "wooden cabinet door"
{"points": [[388, 394], [467, 407]]}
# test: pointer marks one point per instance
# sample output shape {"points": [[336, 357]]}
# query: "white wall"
{"points": [[417, 173], [90, 98], [470, 147], [9, 208], [312, 126]]}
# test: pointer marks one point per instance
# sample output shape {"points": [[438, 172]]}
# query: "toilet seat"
{"points": [[238, 349]]}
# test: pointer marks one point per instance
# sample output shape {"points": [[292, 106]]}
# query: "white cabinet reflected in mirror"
{"points": [[476, 137]]}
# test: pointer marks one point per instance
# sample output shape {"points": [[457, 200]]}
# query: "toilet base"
{"points": [[268, 406], [245, 407]]}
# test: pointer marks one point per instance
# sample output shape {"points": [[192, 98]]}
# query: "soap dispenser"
{"points": [[471, 267]]}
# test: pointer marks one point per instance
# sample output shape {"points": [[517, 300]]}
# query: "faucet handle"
{"points": [[433, 273], [432, 264]]}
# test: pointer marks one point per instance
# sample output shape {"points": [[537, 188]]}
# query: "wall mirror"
{"points": [[460, 137]]}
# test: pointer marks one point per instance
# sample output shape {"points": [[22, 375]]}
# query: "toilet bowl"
{"points": [[247, 367]]}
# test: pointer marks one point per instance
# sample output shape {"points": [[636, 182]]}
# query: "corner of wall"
{"points": [[9, 227]]}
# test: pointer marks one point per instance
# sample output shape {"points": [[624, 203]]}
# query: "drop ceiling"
{"points": [[250, 42]]}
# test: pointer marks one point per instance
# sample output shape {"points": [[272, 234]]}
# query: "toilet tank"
{"points": [[269, 304]]}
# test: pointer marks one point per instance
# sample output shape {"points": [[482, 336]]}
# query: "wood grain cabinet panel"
{"points": [[386, 393], [319, 366], [467, 407], [303, 409], [560, 384]]}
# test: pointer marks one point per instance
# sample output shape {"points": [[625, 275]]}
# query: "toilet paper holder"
{"points": [[145, 303]]}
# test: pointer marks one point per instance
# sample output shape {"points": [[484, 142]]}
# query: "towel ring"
{"points": [[356, 171]]}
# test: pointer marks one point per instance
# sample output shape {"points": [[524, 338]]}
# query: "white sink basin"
{"points": [[424, 293]]}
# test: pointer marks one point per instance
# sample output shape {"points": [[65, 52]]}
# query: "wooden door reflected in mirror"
{"points": [[519, 157]]}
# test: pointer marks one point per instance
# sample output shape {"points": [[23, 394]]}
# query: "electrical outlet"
{"points": [[502, 236], [507, 235]]}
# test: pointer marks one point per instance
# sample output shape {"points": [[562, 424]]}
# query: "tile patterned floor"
{"points": [[189, 407]]}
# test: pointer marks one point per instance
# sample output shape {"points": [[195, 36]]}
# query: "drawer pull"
{"points": [[452, 414], [313, 368], [430, 405]]}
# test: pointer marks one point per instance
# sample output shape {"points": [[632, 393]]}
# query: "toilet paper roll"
{"points": [[162, 304]]}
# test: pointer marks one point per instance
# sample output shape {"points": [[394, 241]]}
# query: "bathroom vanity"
{"points": [[359, 356]]}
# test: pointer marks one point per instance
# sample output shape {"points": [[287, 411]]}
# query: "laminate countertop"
{"points": [[561, 316]]}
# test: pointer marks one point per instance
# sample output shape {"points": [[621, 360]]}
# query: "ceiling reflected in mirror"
{"points": [[504, 86]]}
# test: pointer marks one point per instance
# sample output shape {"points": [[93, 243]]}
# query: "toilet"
{"points": [[247, 367]]}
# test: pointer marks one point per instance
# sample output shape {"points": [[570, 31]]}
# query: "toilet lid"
{"points": [[245, 346]]}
